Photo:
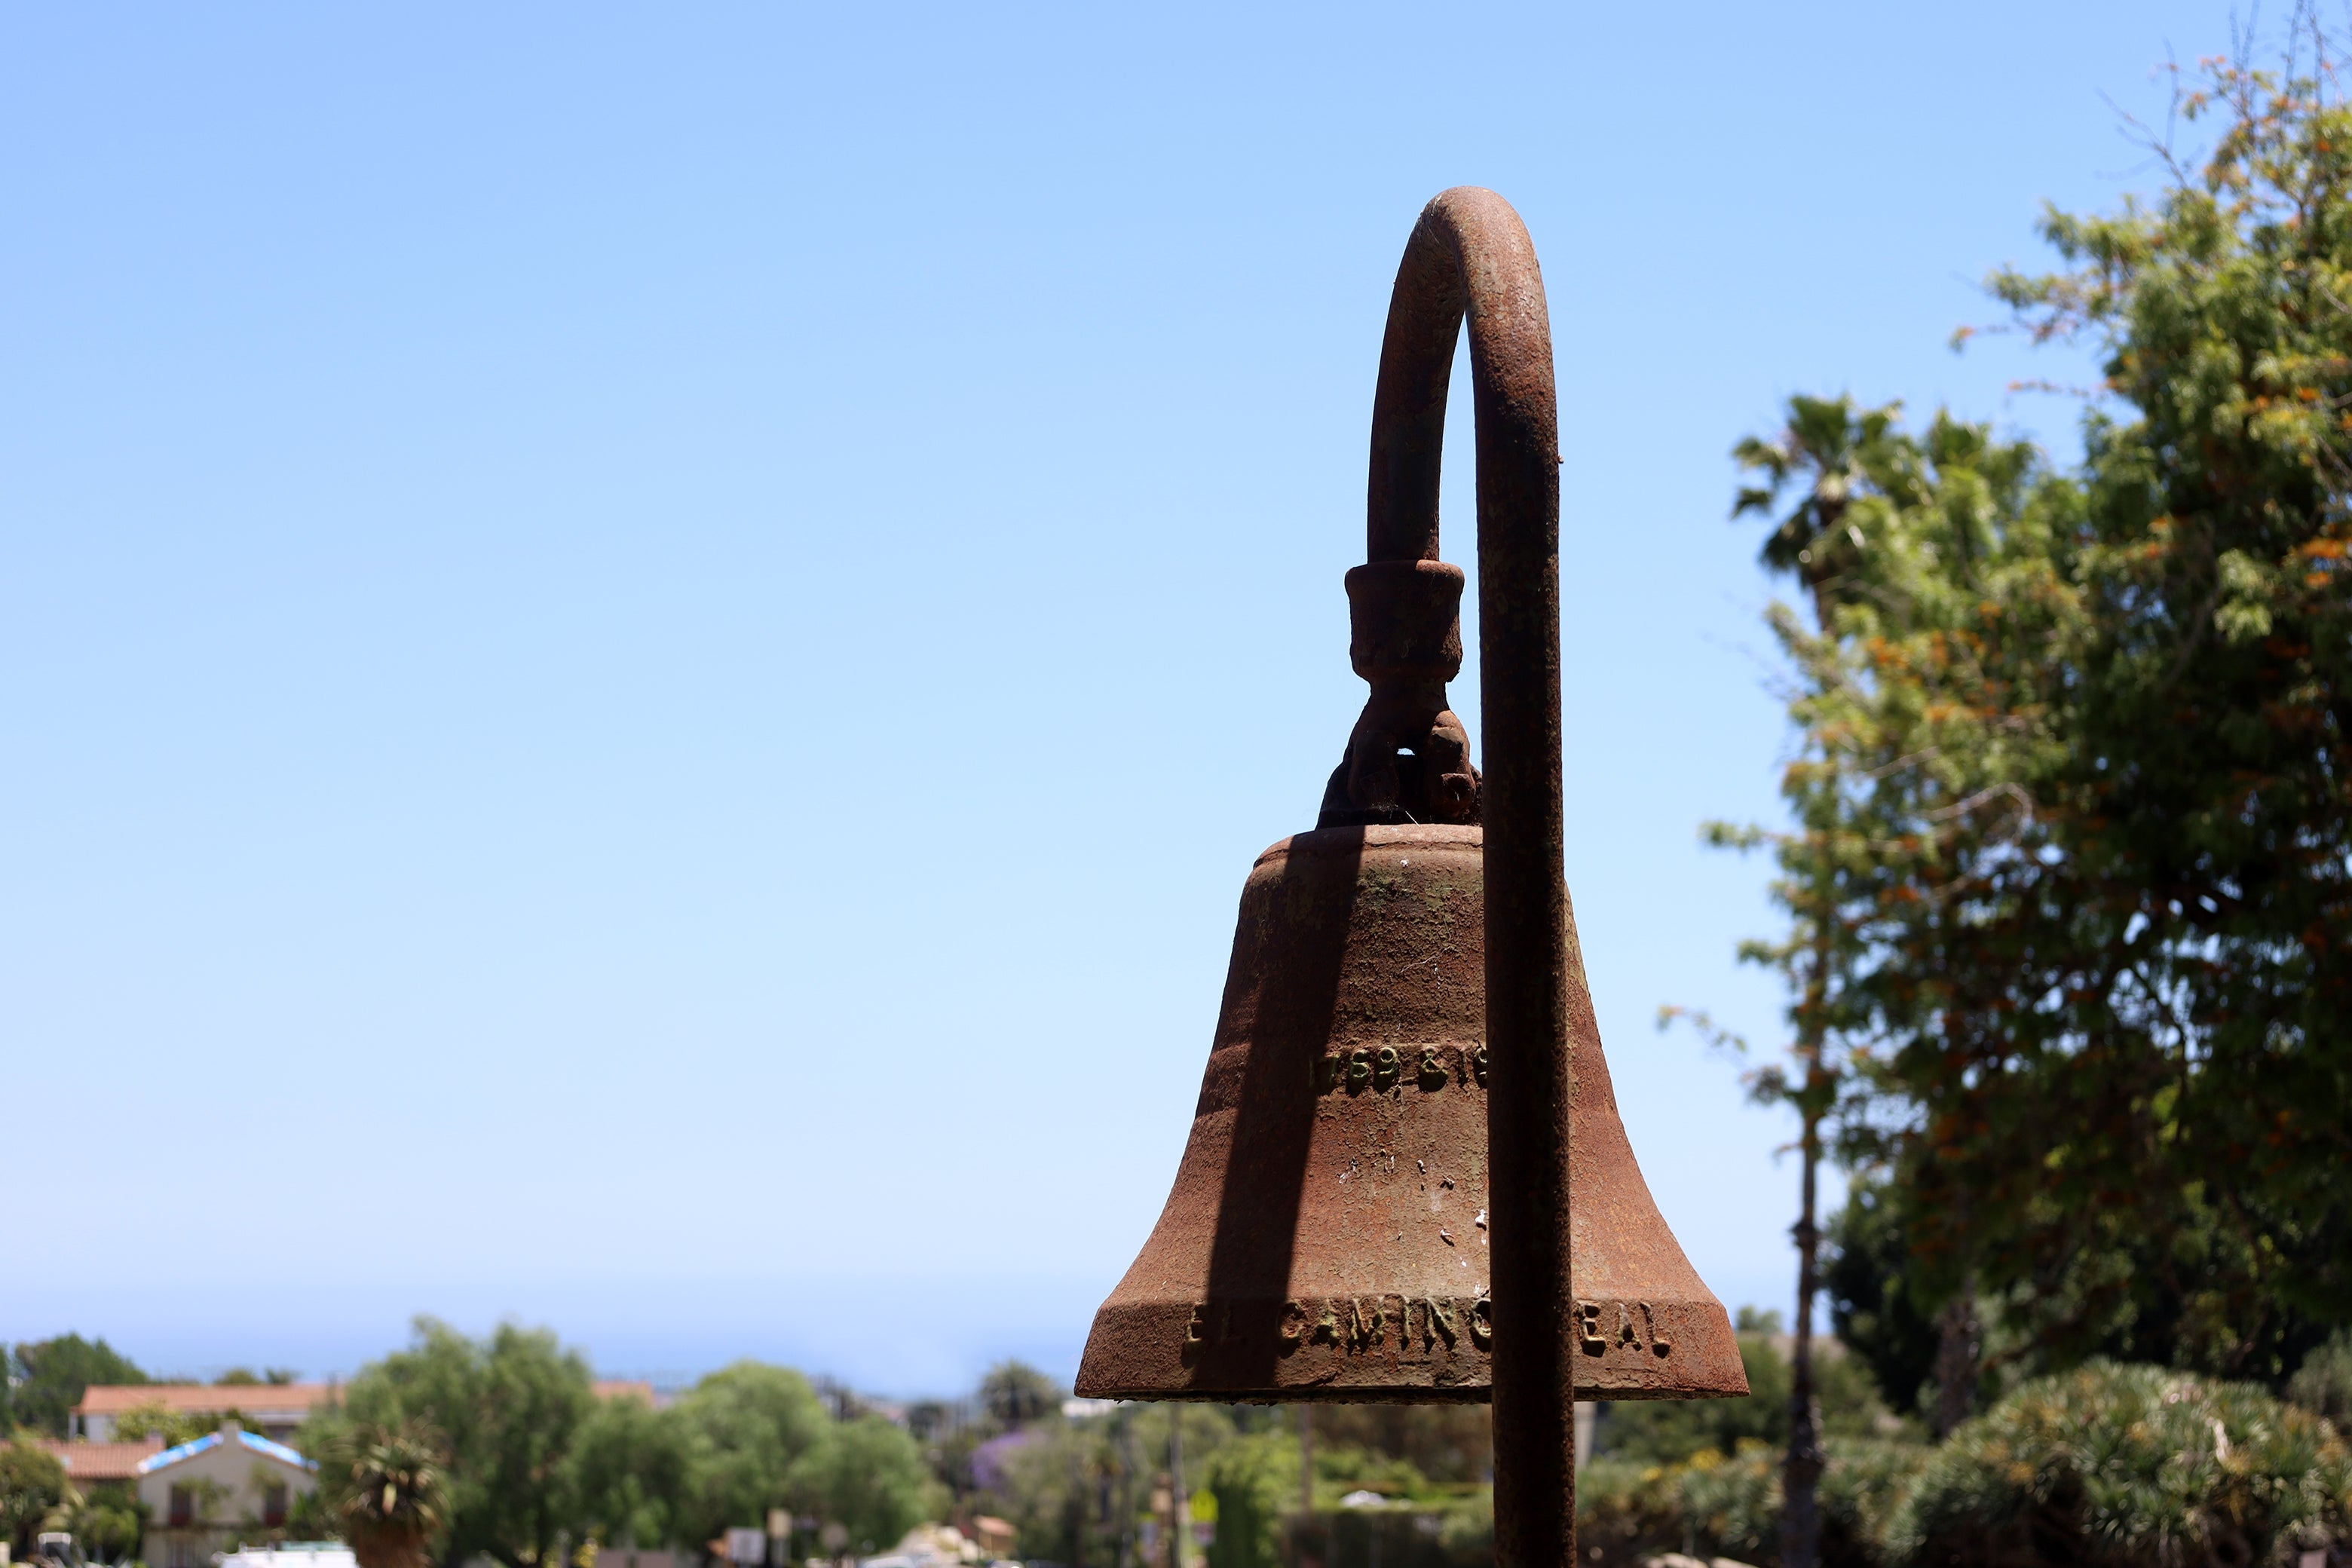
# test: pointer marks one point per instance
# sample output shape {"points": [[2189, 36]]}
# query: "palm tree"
{"points": [[1839, 456], [390, 1489], [1838, 453]]}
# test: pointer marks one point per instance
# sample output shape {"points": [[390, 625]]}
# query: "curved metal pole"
{"points": [[1470, 254]]}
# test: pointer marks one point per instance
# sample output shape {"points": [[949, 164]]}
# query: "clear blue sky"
{"points": [[642, 648]]}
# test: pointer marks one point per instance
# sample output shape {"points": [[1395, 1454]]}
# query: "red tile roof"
{"points": [[102, 1461], [623, 1388], [202, 1398], [253, 1398]]}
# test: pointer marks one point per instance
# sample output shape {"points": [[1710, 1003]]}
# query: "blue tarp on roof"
{"points": [[154, 1462], [279, 1451], [253, 1440]]}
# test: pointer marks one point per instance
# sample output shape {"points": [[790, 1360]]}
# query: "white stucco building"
{"points": [[226, 1489]]}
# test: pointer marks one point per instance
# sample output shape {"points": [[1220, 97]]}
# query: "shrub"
{"points": [[32, 1482], [1861, 1493], [1712, 1506], [390, 1491], [2322, 1385], [1626, 1510], [1671, 1431], [2117, 1465]]}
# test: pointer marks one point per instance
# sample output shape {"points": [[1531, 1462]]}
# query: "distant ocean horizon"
{"points": [[901, 1337]]}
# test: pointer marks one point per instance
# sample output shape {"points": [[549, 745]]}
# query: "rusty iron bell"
{"points": [[1327, 1234]]}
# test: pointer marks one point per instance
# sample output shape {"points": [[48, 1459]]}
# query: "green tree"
{"points": [[1870, 1287], [1879, 517], [1834, 456], [154, 1418], [1015, 1394], [1074, 1489], [1255, 1480], [2147, 1095], [633, 1475], [32, 1483], [1059, 1494], [1926, 721], [2070, 792], [51, 1375], [107, 1520], [507, 1409], [749, 1425], [869, 1475], [245, 1377]]}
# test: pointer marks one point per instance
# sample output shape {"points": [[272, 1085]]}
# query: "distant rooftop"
{"points": [[255, 1398], [204, 1398], [624, 1388], [102, 1461]]}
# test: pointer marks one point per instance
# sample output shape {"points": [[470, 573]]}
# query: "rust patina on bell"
{"points": [[1327, 1234]]}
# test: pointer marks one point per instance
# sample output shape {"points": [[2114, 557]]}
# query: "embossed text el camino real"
{"points": [[1381, 1069], [1427, 1325], [1605, 1326], [1352, 1325]]}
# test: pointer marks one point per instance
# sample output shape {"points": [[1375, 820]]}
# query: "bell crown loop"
{"points": [[1408, 757], [1469, 255]]}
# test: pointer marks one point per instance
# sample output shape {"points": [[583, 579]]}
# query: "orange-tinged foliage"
{"points": [[2071, 873]]}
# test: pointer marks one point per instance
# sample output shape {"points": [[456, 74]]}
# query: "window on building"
{"points": [[184, 1508], [273, 1504]]}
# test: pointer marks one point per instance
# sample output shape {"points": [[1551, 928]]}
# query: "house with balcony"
{"points": [[222, 1492], [272, 1409]]}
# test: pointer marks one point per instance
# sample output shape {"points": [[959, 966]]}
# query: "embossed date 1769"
{"points": [[1383, 1068]]}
